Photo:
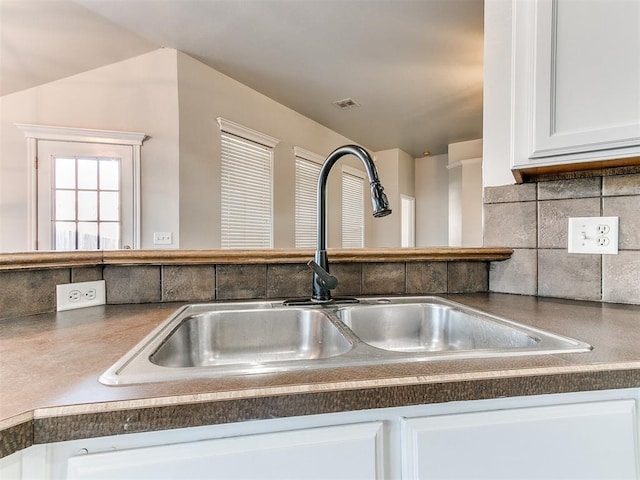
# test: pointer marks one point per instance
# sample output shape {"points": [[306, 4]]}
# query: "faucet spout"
{"points": [[380, 203]]}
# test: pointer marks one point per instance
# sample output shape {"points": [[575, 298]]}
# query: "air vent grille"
{"points": [[346, 103]]}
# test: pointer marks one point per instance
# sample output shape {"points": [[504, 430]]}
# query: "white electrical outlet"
{"points": [[162, 238], [80, 295], [597, 235]]}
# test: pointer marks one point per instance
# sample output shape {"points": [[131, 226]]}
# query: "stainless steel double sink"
{"points": [[239, 338]]}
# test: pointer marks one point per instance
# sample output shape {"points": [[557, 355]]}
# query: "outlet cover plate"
{"points": [[70, 296], [597, 235]]}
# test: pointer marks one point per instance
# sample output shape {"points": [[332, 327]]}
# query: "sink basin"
{"points": [[430, 327], [255, 336], [240, 338]]}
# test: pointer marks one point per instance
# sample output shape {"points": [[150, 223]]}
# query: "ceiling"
{"points": [[414, 66]]}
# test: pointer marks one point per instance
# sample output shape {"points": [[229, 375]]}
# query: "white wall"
{"points": [[138, 95], [497, 94], [432, 201]]}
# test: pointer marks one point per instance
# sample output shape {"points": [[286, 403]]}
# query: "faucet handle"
{"points": [[329, 280]]}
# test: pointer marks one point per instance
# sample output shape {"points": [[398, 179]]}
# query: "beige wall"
{"points": [[206, 94], [432, 201], [396, 170], [137, 95], [175, 100], [465, 194]]}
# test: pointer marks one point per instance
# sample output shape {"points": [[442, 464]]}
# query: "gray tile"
{"points": [[132, 284], [621, 185], [86, 274], [464, 277], [573, 188], [517, 275], [289, 281], [628, 209], [525, 192], [621, 277], [28, 292], [569, 275], [188, 283], [349, 277], [553, 220], [426, 277], [383, 278], [510, 225], [241, 282]]}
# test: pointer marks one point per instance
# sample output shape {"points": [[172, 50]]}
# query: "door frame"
{"points": [[36, 133]]}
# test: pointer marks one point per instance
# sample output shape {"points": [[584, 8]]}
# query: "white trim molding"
{"points": [[307, 155], [73, 134], [247, 133], [36, 133]]}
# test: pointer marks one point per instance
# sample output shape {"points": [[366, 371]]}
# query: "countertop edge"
{"points": [[56, 424], [37, 260]]}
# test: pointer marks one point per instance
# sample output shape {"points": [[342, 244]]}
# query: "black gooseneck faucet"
{"points": [[323, 281]]}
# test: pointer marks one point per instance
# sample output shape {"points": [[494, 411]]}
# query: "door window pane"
{"points": [[109, 175], [87, 174], [109, 206], [87, 235], [65, 205], [65, 235], [65, 172], [88, 205]]}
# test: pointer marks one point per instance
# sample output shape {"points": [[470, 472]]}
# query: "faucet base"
{"points": [[311, 301]]}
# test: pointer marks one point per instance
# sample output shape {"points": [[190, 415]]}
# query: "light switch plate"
{"points": [[598, 235]]}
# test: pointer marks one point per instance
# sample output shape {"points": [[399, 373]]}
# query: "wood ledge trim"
{"points": [[41, 260]]}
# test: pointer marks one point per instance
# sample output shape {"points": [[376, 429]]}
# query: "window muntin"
{"points": [[86, 203]]}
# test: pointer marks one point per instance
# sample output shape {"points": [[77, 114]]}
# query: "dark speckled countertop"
{"points": [[50, 364]]}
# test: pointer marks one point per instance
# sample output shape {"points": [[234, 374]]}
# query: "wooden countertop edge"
{"points": [[39, 260]]}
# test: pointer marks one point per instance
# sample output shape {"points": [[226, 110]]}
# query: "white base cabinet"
{"points": [[580, 441], [588, 435], [348, 451]]}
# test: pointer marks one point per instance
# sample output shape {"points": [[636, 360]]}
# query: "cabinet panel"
{"points": [[581, 441], [349, 452], [576, 81]]}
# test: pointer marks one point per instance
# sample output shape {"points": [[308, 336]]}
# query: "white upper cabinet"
{"points": [[575, 81]]}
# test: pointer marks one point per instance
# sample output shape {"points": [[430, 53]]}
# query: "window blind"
{"points": [[307, 173], [352, 211], [246, 192]]}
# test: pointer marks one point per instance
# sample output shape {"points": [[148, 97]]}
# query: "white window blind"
{"points": [[246, 191], [307, 172], [352, 211]]}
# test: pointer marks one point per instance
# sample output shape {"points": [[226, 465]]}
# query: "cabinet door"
{"points": [[576, 88], [581, 441], [349, 452]]}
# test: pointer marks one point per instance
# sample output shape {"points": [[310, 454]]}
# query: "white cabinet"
{"points": [[575, 81], [578, 441], [348, 451], [588, 435]]}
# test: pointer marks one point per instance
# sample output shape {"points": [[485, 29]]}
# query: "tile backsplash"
{"points": [[532, 218], [27, 292]]}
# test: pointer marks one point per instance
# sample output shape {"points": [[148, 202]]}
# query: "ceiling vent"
{"points": [[346, 103]]}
